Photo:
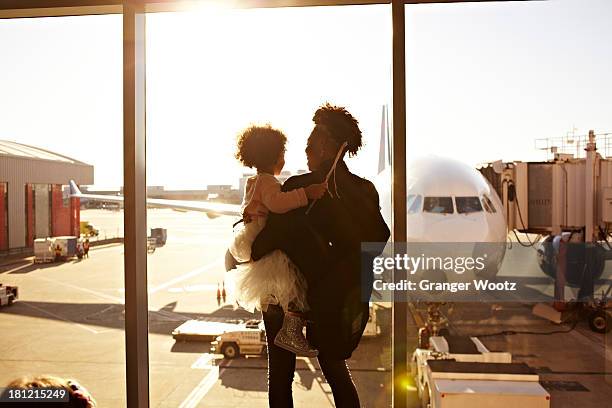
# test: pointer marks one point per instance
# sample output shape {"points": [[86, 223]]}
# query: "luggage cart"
{"points": [[8, 294]]}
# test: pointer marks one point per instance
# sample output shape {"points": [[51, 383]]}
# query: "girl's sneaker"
{"points": [[291, 336]]}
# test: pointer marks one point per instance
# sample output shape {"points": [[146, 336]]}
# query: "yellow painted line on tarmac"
{"points": [[308, 363], [200, 390], [18, 268], [92, 292], [204, 362], [119, 300], [318, 380], [187, 275]]}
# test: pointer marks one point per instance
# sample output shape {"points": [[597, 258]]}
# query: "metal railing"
{"points": [[575, 145]]}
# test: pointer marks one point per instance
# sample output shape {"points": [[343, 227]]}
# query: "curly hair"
{"points": [[341, 125], [260, 146]]}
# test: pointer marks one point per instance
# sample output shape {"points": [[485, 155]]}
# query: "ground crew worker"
{"points": [[58, 253]]}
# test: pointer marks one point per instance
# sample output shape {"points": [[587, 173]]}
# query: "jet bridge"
{"points": [[565, 194]]}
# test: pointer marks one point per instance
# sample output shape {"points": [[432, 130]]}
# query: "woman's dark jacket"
{"points": [[326, 247]]}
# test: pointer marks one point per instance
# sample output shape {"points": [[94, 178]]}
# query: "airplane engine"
{"points": [[581, 259]]}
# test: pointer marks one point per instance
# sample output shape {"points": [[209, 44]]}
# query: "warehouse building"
{"points": [[32, 201]]}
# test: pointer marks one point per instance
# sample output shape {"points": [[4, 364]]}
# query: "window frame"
{"points": [[134, 162]]}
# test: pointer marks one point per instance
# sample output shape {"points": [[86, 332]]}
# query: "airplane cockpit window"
{"points": [[414, 203], [488, 205], [466, 205], [438, 205]]}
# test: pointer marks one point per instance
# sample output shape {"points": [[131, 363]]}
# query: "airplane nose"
{"points": [[459, 229]]}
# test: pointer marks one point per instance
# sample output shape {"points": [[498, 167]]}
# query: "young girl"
{"points": [[274, 278]]}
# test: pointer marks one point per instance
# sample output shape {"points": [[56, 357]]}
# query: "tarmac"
{"points": [[69, 321]]}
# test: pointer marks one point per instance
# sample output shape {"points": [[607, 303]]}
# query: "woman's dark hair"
{"points": [[341, 126], [260, 146]]}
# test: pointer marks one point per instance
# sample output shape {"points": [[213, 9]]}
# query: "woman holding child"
{"points": [[305, 254]]}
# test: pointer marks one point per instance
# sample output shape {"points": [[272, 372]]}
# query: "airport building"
{"points": [[33, 203]]}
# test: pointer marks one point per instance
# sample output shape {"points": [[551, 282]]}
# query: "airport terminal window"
{"points": [[466, 205], [488, 205], [438, 205], [69, 316], [414, 203], [283, 84]]}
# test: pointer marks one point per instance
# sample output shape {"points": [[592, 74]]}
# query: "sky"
{"points": [[484, 80]]}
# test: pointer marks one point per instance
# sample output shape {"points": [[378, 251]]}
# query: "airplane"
{"points": [[448, 201], [210, 208]]}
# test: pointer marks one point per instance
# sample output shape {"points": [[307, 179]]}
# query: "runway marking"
{"points": [[19, 268], [308, 363], [319, 381], [185, 276], [156, 289], [204, 362], [194, 288], [200, 390], [93, 292], [61, 318]]}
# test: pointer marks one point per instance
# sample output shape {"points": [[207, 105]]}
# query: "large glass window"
{"points": [[484, 80], [61, 120], [491, 86], [210, 74]]}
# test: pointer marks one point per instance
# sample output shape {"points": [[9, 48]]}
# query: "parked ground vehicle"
{"points": [[43, 250], [8, 294], [156, 239], [51, 248], [160, 235], [68, 246], [247, 341], [87, 230], [251, 340]]}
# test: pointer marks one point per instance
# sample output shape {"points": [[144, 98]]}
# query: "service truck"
{"points": [[237, 343], [462, 372]]}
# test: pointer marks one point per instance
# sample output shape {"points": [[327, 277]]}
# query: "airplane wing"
{"points": [[211, 209]]}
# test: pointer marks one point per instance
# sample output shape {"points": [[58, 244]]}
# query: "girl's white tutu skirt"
{"points": [[273, 279]]}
